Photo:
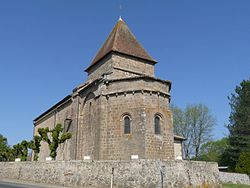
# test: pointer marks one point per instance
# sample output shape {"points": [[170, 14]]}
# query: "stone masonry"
{"points": [[121, 87], [235, 178], [129, 174]]}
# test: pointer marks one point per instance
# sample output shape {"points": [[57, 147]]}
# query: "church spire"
{"points": [[121, 40]]}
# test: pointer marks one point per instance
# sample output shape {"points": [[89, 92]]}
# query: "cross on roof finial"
{"points": [[120, 8]]}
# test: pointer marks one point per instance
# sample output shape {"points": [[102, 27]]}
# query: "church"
{"points": [[120, 112]]}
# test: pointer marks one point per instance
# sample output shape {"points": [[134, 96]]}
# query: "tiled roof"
{"points": [[122, 40]]}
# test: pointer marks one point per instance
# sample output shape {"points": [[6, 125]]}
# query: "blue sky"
{"points": [[203, 47]]}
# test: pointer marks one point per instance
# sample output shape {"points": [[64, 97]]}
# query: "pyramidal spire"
{"points": [[122, 40]]}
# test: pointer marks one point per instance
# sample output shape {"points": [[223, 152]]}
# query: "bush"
{"points": [[243, 165]]}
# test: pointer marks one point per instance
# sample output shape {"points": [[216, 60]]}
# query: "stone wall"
{"points": [[120, 66], [226, 177], [97, 127], [130, 67], [58, 115], [137, 83], [178, 150], [98, 174], [122, 98], [103, 67], [117, 87]]}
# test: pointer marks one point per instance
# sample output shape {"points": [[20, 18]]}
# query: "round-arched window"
{"points": [[127, 125], [157, 122]]}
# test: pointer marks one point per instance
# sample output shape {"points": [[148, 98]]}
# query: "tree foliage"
{"points": [[35, 145], [20, 150], [214, 151], [58, 137], [239, 122], [195, 123], [4, 148], [243, 164]]}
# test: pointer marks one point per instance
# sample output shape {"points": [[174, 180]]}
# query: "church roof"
{"points": [[122, 40], [177, 137]]}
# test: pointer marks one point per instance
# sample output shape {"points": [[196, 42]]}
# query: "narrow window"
{"points": [[126, 125], [157, 125]]}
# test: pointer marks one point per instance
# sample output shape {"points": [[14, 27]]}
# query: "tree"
{"points": [[243, 164], [183, 128], [16, 150], [35, 145], [195, 123], [214, 151], [20, 150], [4, 148], [239, 122], [24, 150], [57, 138], [9, 154]]}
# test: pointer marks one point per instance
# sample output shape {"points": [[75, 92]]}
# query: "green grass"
{"points": [[235, 186]]}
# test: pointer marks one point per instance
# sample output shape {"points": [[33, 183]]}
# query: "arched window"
{"points": [[127, 125], [157, 125]]}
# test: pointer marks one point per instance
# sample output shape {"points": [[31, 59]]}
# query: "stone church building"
{"points": [[121, 111]]}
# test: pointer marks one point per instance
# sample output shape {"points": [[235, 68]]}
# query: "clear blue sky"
{"points": [[203, 47]]}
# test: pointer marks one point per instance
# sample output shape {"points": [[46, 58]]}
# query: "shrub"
{"points": [[243, 165]]}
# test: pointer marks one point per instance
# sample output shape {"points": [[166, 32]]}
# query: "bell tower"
{"points": [[121, 55]]}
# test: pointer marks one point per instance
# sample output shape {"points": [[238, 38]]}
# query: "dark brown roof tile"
{"points": [[122, 40]]}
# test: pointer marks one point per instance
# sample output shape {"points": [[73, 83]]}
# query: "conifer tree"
{"points": [[239, 122]]}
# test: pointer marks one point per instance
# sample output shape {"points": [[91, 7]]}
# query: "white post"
{"points": [[86, 157], [133, 157], [17, 159], [48, 159]]}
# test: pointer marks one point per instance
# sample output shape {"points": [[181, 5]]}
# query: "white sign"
{"points": [[134, 157]]}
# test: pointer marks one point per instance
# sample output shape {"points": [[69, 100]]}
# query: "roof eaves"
{"points": [[141, 77], [52, 108], [177, 137], [118, 52], [97, 62]]}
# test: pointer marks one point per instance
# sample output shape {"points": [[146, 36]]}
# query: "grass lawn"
{"points": [[235, 186]]}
